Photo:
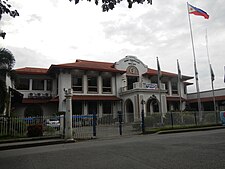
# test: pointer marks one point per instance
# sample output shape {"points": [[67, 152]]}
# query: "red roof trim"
{"points": [[95, 98], [33, 101], [207, 99]]}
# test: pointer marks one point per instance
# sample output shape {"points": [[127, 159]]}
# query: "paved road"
{"points": [[193, 150]]}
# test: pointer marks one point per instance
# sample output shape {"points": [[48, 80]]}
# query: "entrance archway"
{"points": [[129, 111], [152, 105]]}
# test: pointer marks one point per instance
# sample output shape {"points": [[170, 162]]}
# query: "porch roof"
{"points": [[174, 98], [95, 98]]}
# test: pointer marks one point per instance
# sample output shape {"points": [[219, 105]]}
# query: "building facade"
{"points": [[101, 87]]}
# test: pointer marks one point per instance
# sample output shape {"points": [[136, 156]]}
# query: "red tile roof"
{"points": [[88, 65], [153, 72], [31, 70]]}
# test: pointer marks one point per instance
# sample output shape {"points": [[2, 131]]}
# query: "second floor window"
{"points": [[106, 85], [49, 85], [23, 84], [77, 84], [37, 84], [174, 88], [92, 84]]}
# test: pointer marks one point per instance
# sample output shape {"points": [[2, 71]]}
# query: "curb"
{"points": [[31, 144], [189, 130]]}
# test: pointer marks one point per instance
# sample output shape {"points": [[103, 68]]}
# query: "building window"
{"points": [[23, 84], [49, 85], [174, 88], [185, 89], [77, 84], [38, 84], [77, 108], [92, 84], [106, 108], [106, 85], [166, 87]]}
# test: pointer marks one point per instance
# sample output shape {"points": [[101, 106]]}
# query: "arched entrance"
{"points": [[33, 110], [152, 105], [129, 111]]}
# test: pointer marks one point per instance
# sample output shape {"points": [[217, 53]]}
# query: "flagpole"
{"points": [[159, 87], [195, 68], [212, 78], [179, 84]]}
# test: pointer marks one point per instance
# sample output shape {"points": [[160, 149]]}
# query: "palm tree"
{"points": [[7, 61]]}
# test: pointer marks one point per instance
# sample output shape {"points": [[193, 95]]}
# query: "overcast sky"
{"points": [[57, 31]]}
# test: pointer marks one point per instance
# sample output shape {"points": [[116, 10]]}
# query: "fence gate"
{"points": [[92, 126]]}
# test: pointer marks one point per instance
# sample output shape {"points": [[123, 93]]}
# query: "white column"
{"points": [[99, 84], [85, 83], [170, 87], [68, 115], [30, 84]]}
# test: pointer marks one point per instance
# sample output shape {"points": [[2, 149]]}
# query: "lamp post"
{"points": [[142, 117]]}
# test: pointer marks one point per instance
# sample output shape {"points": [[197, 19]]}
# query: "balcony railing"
{"points": [[147, 86]]}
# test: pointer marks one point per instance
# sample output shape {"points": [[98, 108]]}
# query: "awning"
{"points": [[95, 98], [16, 97], [172, 98]]}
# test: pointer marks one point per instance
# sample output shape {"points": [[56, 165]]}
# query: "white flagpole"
{"points": [[211, 74], [195, 67]]}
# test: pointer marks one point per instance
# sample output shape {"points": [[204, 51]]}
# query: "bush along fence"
{"points": [[180, 120], [29, 126]]}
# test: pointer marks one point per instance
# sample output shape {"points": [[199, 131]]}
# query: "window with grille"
{"points": [[77, 84]]}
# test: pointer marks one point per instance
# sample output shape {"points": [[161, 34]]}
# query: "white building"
{"points": [[101, 87]]}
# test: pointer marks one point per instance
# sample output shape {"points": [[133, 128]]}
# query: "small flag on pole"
{"points": [[179, 71], [224, 74], [212, 73], [159, 70], [197, 11]]}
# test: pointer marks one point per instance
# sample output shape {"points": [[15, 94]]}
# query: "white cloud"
{"points": [[50, 32]]}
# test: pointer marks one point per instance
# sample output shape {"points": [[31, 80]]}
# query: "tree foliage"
{"points": [[5, 8], [110, 4], [7, 61]]}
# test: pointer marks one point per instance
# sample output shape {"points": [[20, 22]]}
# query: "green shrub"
{"points": [[35, 130]]}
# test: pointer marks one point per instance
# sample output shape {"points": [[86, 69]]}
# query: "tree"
{"points": [[7, 62], [110, 4], [5, 8]]}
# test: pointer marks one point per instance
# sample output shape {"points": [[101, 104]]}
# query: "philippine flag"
{"points": [[197, 11]]}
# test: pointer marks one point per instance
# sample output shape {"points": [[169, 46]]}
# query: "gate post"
{"points": [[94, 124], [142, 117], [68, 116], [120, 117]]}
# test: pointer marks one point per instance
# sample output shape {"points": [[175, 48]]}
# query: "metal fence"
{"points": [[181, 119], [89, 126], [18, 127]]}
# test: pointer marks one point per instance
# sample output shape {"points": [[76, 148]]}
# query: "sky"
{"points": [[57, 31]]}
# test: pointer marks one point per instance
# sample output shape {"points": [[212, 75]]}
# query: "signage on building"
{"points": [[152, 86]]}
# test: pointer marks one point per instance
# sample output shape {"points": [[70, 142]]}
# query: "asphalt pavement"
{"points": [[189, 150]]}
